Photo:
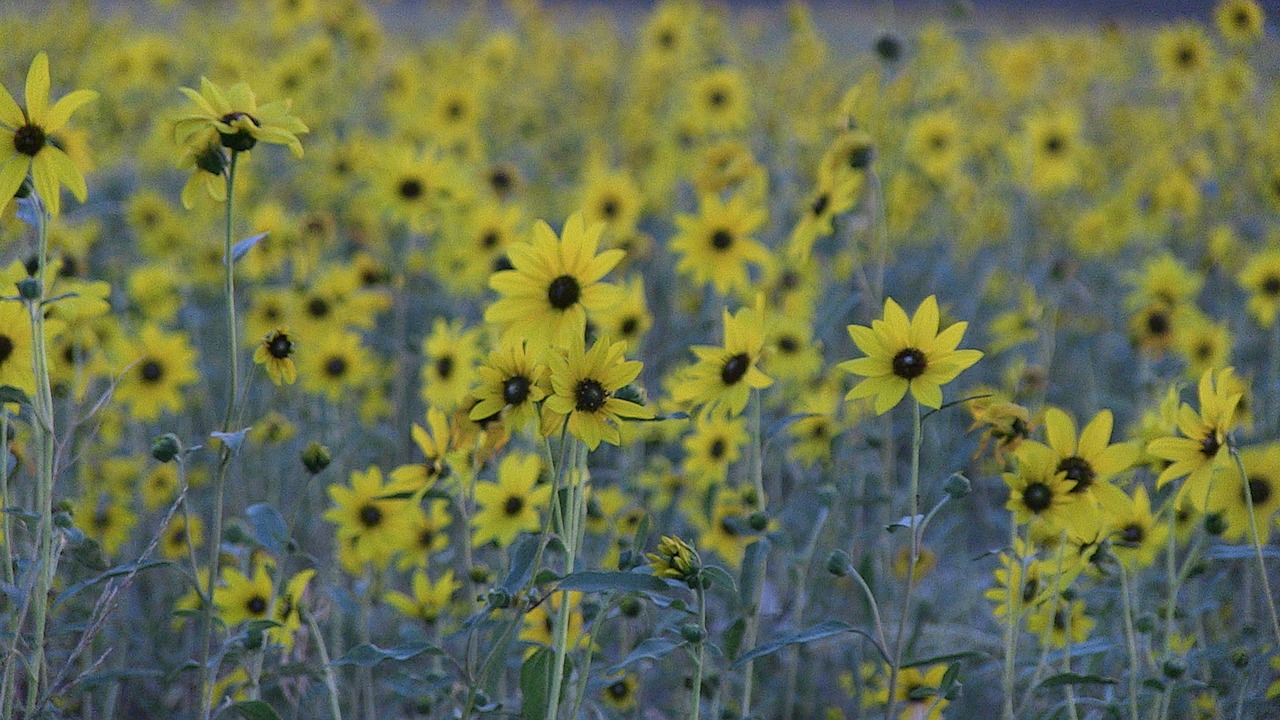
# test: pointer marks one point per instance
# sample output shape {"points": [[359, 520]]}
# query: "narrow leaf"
{"points": [[244, 246], [255, 710], [654, 648], [1070, 678], [522, 556], [11, 394], [607, 581], [825, 629], [535, 677], [367, 655]]}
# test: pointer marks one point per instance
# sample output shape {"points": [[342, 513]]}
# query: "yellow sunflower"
{"points": [[584, 385], [275, 353], [907, 354], [552, 286], [26, 140], [716, 246], [511, 380], [163, 366], [238, 119], [1201, 453], [1261, 278], [510, 505], [723, 377]]}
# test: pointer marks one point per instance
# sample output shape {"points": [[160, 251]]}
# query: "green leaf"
{"points": [[11, 394], [233, 440], [241, 248], [367, 655], [654, 648], [522, 557], [949, 657], [752, 569], [825, 629], [255, 710], [535, 682], [720, 577], [269, 529], [1070, 678], [96, 680], [609, 581]]}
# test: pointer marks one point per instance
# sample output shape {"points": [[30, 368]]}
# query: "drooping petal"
{"points": [[66, 172], [12, 173], [46, 182]]}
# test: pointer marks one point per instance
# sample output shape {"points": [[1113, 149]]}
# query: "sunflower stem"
{"points": [[1256, 540], [6, 689], [571, 536], [42, 428], [900, 643], [219, 485], [699, 655], [1012, 619], [753, 613], [1130, 641], [330, 680]]}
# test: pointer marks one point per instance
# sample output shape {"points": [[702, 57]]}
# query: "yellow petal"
{"points": [[38, 89], [12, 173], [61, 111], [10, 113]]}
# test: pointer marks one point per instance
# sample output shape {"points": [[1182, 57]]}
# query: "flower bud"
{"points": [[165, 447], [692, 633], [957, 486], [838, 563], [316, 458], [29, 288], [758, 521]]}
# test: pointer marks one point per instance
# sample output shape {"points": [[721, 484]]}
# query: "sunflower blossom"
{"points": [[584, 386], [26, 140], [238, 119], [1202, 450], [907, 354], [554, 282], [724, 376]]}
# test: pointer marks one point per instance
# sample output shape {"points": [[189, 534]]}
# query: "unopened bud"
{"points": [[957, 486], [166, 447], [315, 458]]}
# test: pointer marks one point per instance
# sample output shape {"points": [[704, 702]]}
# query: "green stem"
{"points": [[1012, 618], [219, 485], [699, 656], [6, 688], [913, 558], [570, 535], [1256, 539], [330, 680], [44, 440], [752, 626], [1130, 641]]}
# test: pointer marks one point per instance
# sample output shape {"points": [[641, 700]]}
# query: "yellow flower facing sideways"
{"points": [[27, 140]]}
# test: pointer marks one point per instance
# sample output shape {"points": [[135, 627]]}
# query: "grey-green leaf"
{"points": [[367, 655]]}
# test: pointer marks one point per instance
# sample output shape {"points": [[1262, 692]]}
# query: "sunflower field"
{"points": [[364, 360]]}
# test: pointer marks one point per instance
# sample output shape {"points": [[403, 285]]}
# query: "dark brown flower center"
{"points": [[318, 308], [1209, 445], [717, 98], [1158, 323], [444, 367], [515, 390], [151, 372], [735, 368], [490, 239], [609, 208], [410, 189], [1037, 497], [1271, 285], [336, 367], [788, 344], [564, 292], [6, 348], [721, 239], [1079, 471], [1132, 534], [820, 204], [589, 395], [370, 515], [1259, 490], [1054, 144], [909, 363], [256, 605], [619, 690], [29, 140], [629, 325], [513, 506], [242, 139], [280, 346], [717, 449]]}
